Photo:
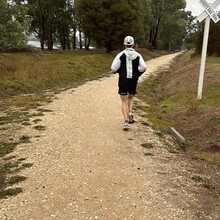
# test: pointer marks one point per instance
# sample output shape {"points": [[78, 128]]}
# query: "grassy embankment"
{"points": [[172, 99], [28, 80]]}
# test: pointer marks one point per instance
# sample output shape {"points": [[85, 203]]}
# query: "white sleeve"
{"points": [[142, 65], [116, 63]]}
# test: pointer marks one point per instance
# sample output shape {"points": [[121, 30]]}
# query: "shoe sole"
{"points": [[125, 128]]}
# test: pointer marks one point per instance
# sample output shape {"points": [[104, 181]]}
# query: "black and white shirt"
{"points": [[129, 64]]}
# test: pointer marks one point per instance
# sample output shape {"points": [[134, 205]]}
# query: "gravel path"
{"points": [[87, 167]]}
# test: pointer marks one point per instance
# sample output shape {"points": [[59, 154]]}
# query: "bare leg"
{"points": [[130, 102], [124, 99]]}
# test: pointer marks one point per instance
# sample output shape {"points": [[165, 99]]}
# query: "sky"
{"points": [[195, 6]]}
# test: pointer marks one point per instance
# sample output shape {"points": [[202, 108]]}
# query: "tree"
{"points": [[191, 30], [147, 18], [63, 22], [107, 22], [13, 26], [214, 39], [41, 12], [161, 10], [173, 31]]}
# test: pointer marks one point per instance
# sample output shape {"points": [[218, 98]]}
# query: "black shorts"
{"points": [[127, 86]]}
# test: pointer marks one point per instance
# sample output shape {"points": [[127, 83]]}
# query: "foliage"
{"points": [[214, 39], [50, 21], [13, 26], [114, 20], [148, 21], [157, 24], [162, 12], [191, 30]]}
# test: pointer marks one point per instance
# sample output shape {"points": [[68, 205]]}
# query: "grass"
{"points": [[148, 154], [29, 73], [24, 139], [9, 176], [16, 179], [147, 145], [172, 102], [29, 81], [10, 192], [204, 182], [40, 127], [6, 148]]}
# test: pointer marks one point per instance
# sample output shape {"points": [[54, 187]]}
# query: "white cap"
{"points": [[129, 40]]}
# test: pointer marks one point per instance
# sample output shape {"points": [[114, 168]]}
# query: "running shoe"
{"points": [[126, 126], [131, 117]]}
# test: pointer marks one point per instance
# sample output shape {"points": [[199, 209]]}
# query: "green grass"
{"points": [[204, 182], [10, 192], [40, 127], [172, 102], [6, 148], [16, 179], [9, 176], [148, 154], [24, 139], [28, 73], [147, 145]]}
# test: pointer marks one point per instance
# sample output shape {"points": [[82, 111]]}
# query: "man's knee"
{"points": [[124, 98], [130, 96]]}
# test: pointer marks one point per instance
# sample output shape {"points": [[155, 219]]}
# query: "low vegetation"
{"points": [[172, 99]]}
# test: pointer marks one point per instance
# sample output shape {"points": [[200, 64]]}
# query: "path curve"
{"points": [[87, 167]]}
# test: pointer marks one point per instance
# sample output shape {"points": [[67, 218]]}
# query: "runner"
{"points": [[130, 65]]}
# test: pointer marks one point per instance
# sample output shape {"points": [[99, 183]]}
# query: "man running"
{"points": [[130, 65]]}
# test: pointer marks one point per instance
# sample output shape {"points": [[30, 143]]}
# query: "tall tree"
{"points": [[191, 30], [107, 22], [38, 13], [45, 15], [13, 25], [214, 39], [160, 10], [63, 22], [147, 18], [173, 31]]}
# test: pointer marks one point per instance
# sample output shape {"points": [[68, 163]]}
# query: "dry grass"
{"points": [[35, 72], [173, 101]]}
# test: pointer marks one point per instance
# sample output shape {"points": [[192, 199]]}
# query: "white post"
{"points": [[203, 59]]}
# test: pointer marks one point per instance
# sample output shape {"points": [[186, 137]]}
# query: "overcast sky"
{"points": [[195, 6]]}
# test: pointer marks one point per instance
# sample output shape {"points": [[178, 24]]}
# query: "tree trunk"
{"points": [[108, 47], [42, 42], [68, 42], [63, 41], [50, 40], [74, 38], [154, 42], [87, 43], [80, 39], [151, 35]]}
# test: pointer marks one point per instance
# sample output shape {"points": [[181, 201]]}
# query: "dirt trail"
{"points": [[87, 167]]}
